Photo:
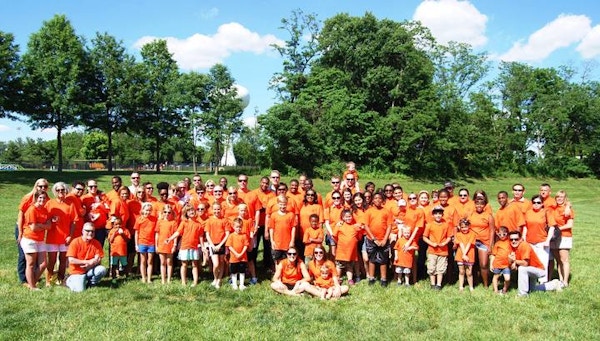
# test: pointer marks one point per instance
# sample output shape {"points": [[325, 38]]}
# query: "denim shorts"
{"points": [[146, 248], [498, 271]]}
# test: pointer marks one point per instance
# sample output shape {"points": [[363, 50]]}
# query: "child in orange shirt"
{"points": [[437, 235], [145, 241], [312, 238], [238, 243], [118, 238], [499, 262], [346, 235], [192, 236], [165, 227], [404, 256], [464, 243], [249, 228], [282, 229]]}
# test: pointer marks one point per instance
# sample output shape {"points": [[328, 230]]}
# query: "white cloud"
{"points": [[561, 32], [250, 121], [201, 51], [590, 44], [4, 128], [453, 20]]}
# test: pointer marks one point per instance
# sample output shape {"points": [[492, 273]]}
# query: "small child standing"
{"points": [[437, 235], [499, 262], [346, 235], [165, 246], [238, 243], [312, 238], [118, 238], [464, 243], [404, 255], [192, 236]]}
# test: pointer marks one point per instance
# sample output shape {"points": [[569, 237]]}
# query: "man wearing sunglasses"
{"points": [[529, 267], [85, 258]]}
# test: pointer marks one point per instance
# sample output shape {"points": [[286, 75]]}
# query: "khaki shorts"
{"points": [[436, 265]]}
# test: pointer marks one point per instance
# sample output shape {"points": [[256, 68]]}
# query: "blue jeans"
{"points": [[78, 283], [21, 259]]}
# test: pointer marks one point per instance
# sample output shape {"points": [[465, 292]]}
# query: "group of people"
{"points": [[311, 242]]}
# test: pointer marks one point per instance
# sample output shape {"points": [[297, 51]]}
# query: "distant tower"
{"points": [[228, 158]]}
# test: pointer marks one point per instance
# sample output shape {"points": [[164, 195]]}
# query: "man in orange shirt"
{"points": [[243, 189], [508, 215], [335, 184], [85, 258], [529, 267], [519, 198], [257, 202], [116, 183]]}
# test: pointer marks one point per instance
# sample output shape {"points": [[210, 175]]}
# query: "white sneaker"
{"points": [[217, 284], [242, 287], [234, 286]]}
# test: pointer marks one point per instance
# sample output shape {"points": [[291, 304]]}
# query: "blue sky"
{"points": [[238, 33]]}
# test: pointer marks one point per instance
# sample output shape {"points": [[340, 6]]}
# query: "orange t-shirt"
{"points": [[291, 273], [415, 219], [145, 228], [231, 210], [34, 215], [561, 219], [524, 252], [333, 214], [118, 242], [282, 225], [309, 234], [134, 207], [468, 240], [237, 242], [305, 212], [509, 216], [536, 223], [465, 209], [190, 231], [118, 208], [404, 258], [79, 210], [79, 249], [347, 237], [314, 269], [438, 232], [524, 205], [501, 251], [217, 229], [97, 207], [260, 200], [480, 224], [164, 230], [379, 220], [26, 201], [324, 283], [61, 229]]}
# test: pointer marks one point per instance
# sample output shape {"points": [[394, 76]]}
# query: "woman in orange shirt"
{"points": [[359, 213], [309, 207], [60, 234], [36, 222], [192, 236], [561, 247], [537, 221], [482, 223], [291, 275]]}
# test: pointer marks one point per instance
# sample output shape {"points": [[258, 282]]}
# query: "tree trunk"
{"points": [[59, 148], [109, 133], [157, 153]]}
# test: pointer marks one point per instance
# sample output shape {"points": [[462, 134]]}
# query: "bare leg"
{"points": [[461, 277], [149, 267], [565, 265], [183, 272], [484, 267], [62, 266], [169, 267], [50, 269], [469, 272], [143, 264], [195, 272]]}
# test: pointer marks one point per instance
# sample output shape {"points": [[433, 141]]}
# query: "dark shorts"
{"points": [[329, 241], [220, 252], [290, 286], [378, 254], [278, 255], [252, 255], [237, 268]]}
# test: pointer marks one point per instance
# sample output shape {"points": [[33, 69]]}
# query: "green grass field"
{"points": [[134, 311]]}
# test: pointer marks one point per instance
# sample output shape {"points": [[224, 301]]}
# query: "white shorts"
{"points": [[32, 246], [562, 243], [188, 254], [56, 248]]}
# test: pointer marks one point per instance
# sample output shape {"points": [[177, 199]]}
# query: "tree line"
{"points": [[61, 82], [381, 93]]}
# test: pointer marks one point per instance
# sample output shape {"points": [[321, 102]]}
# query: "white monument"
{"points": [[228, 158]]}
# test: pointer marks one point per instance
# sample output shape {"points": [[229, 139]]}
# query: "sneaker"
{"points": [[384, 284], [399, 284], [356, 279], [234, 286], [242, 287], [407, 285], [371, 281], [438, 288], [350, 282], [253, 281], [433, 286], [217, 285]]}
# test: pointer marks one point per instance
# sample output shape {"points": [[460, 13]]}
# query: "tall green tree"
{"points": [[56, 78], [117, 89], [158, 116], [10, 85], [220, 118]]}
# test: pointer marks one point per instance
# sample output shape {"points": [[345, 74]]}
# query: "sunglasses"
{"points": [[334, 198], [335, 182], [92, 186], [517, 190], [274, 177], [514, 239], [42, 186], [310, 195], [537, 202], [318, 252], [79, 188], [412, 198], [242, 180], [291, 253], [463, 195], [135, 177], [88, 231], [61, 190], [350, 179]]}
